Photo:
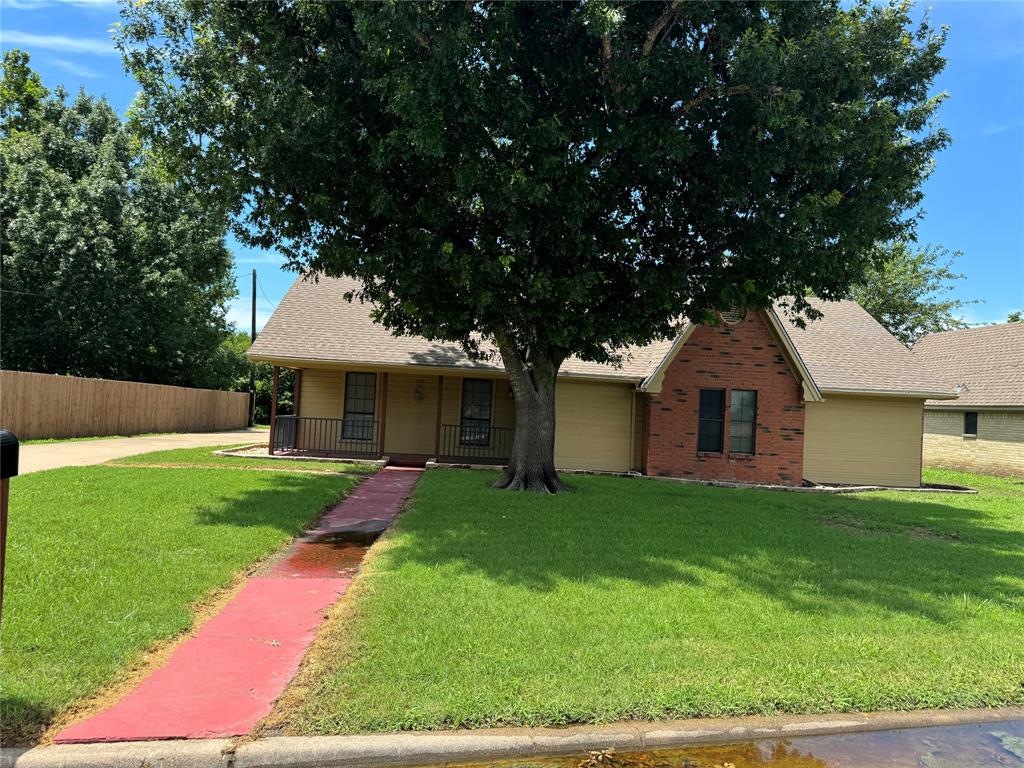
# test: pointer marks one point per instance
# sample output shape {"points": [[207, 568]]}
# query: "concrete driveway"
{"points": [[80, 453]]}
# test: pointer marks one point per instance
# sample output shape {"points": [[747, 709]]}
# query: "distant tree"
{"points": [[234, 349], [557, 178], [109, 267], [1015, 317], [907, 290]]}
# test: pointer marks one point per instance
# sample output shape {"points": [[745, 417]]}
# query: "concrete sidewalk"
{"points": [[225, 678], [81, 453]]}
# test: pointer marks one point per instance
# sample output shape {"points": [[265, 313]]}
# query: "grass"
{"points": [[633, 598], [204, 457], [104, 562]]}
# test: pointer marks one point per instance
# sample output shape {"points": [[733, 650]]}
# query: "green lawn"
{"points": [[204, 457], [103, 562], [649, 599]]}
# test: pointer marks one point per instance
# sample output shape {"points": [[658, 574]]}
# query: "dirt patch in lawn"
{"points": [[178, 465], [863, 526]]}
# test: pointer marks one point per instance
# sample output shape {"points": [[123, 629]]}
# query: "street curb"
{"points": [[424, 748], [206, 753]]}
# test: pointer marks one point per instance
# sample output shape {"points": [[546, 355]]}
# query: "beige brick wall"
{"points": [[998, 448]]}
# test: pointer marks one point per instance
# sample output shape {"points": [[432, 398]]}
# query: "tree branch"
{"points": [[660, 26], [708, 93]]}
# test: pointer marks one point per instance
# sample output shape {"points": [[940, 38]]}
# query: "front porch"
{"points": [[406, 418], [344, 438]]}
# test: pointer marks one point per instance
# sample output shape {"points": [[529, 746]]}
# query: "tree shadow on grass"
{"points": [[810, 553], [273, 502]]}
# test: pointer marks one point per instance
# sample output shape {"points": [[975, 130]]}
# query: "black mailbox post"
{"points": [[8, 469]]}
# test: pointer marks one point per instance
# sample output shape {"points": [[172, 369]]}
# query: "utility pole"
{"points": [[252, 365]]}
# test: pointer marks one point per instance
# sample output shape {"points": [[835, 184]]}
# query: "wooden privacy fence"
{"points": [[39, 405]]}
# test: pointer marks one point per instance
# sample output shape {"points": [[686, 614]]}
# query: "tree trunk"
{"points": [[531, 466]]}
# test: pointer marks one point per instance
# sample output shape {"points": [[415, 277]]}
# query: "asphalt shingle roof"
{"points": [[314, 322], [848, 350], [985, 363], [845, 350]]}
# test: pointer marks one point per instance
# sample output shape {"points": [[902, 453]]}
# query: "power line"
{"points": [[271, 303]]}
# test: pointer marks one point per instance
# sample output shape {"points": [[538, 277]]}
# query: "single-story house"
{"points": [[982, 430], [753, 399]]}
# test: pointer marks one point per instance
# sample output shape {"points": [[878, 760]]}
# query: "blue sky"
{"points": [[974, 201]]}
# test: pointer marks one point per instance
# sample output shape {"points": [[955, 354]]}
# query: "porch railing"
{"points": [[326, 437], [480, 443]]}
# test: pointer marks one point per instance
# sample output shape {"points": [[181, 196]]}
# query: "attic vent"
{"points": [[732, 316]]}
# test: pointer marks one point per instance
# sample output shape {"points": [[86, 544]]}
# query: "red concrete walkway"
{"points": [[225, 679]]}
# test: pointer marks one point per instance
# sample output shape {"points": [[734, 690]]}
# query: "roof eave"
{"points": [[652, 383], [812, 392], [289, 361], [973, 406], [910, 393]]}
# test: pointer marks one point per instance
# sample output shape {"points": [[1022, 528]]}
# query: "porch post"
{"points": [[437, 425], [273, 408], [383, 413], [297, 392]]}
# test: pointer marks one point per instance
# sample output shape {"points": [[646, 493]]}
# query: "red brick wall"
{"points": [[743, 356]]}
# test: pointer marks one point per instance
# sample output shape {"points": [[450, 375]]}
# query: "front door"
{"points": [[411, 415]]}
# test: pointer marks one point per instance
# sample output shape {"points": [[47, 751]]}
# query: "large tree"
{"points": [[557, 179], [908, 290], [110, 268]]}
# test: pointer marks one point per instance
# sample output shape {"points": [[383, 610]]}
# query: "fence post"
{"points": [[273, 408]]}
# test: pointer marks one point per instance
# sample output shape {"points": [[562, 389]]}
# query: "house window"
{"points": [[475, 425], [711, 419], [742, 420], [360, 401], [971, 423]]}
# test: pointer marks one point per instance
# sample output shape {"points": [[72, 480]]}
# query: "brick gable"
{"points": [[742, 356]]}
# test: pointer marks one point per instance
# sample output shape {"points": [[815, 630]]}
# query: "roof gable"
{"points": [[848, 351]]}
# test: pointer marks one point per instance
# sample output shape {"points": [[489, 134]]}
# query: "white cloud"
{"points": [[239, 312], [62, 43], [984, 314], [993, 128], [268, 258], [75, 69]]}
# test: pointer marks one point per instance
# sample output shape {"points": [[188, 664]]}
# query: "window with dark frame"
{"points": [[742, 420], [360, 402], [475, 418], [711, 418], [971, 423]]}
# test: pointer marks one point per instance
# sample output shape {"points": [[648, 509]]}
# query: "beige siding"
{"points": [[322, 394], [412, 414], [593, 425], [597, 423], [998, 448], [863, 441]]}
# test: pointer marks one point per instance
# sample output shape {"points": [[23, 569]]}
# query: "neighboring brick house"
{"points": [[983, 430], [752, 399]]}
